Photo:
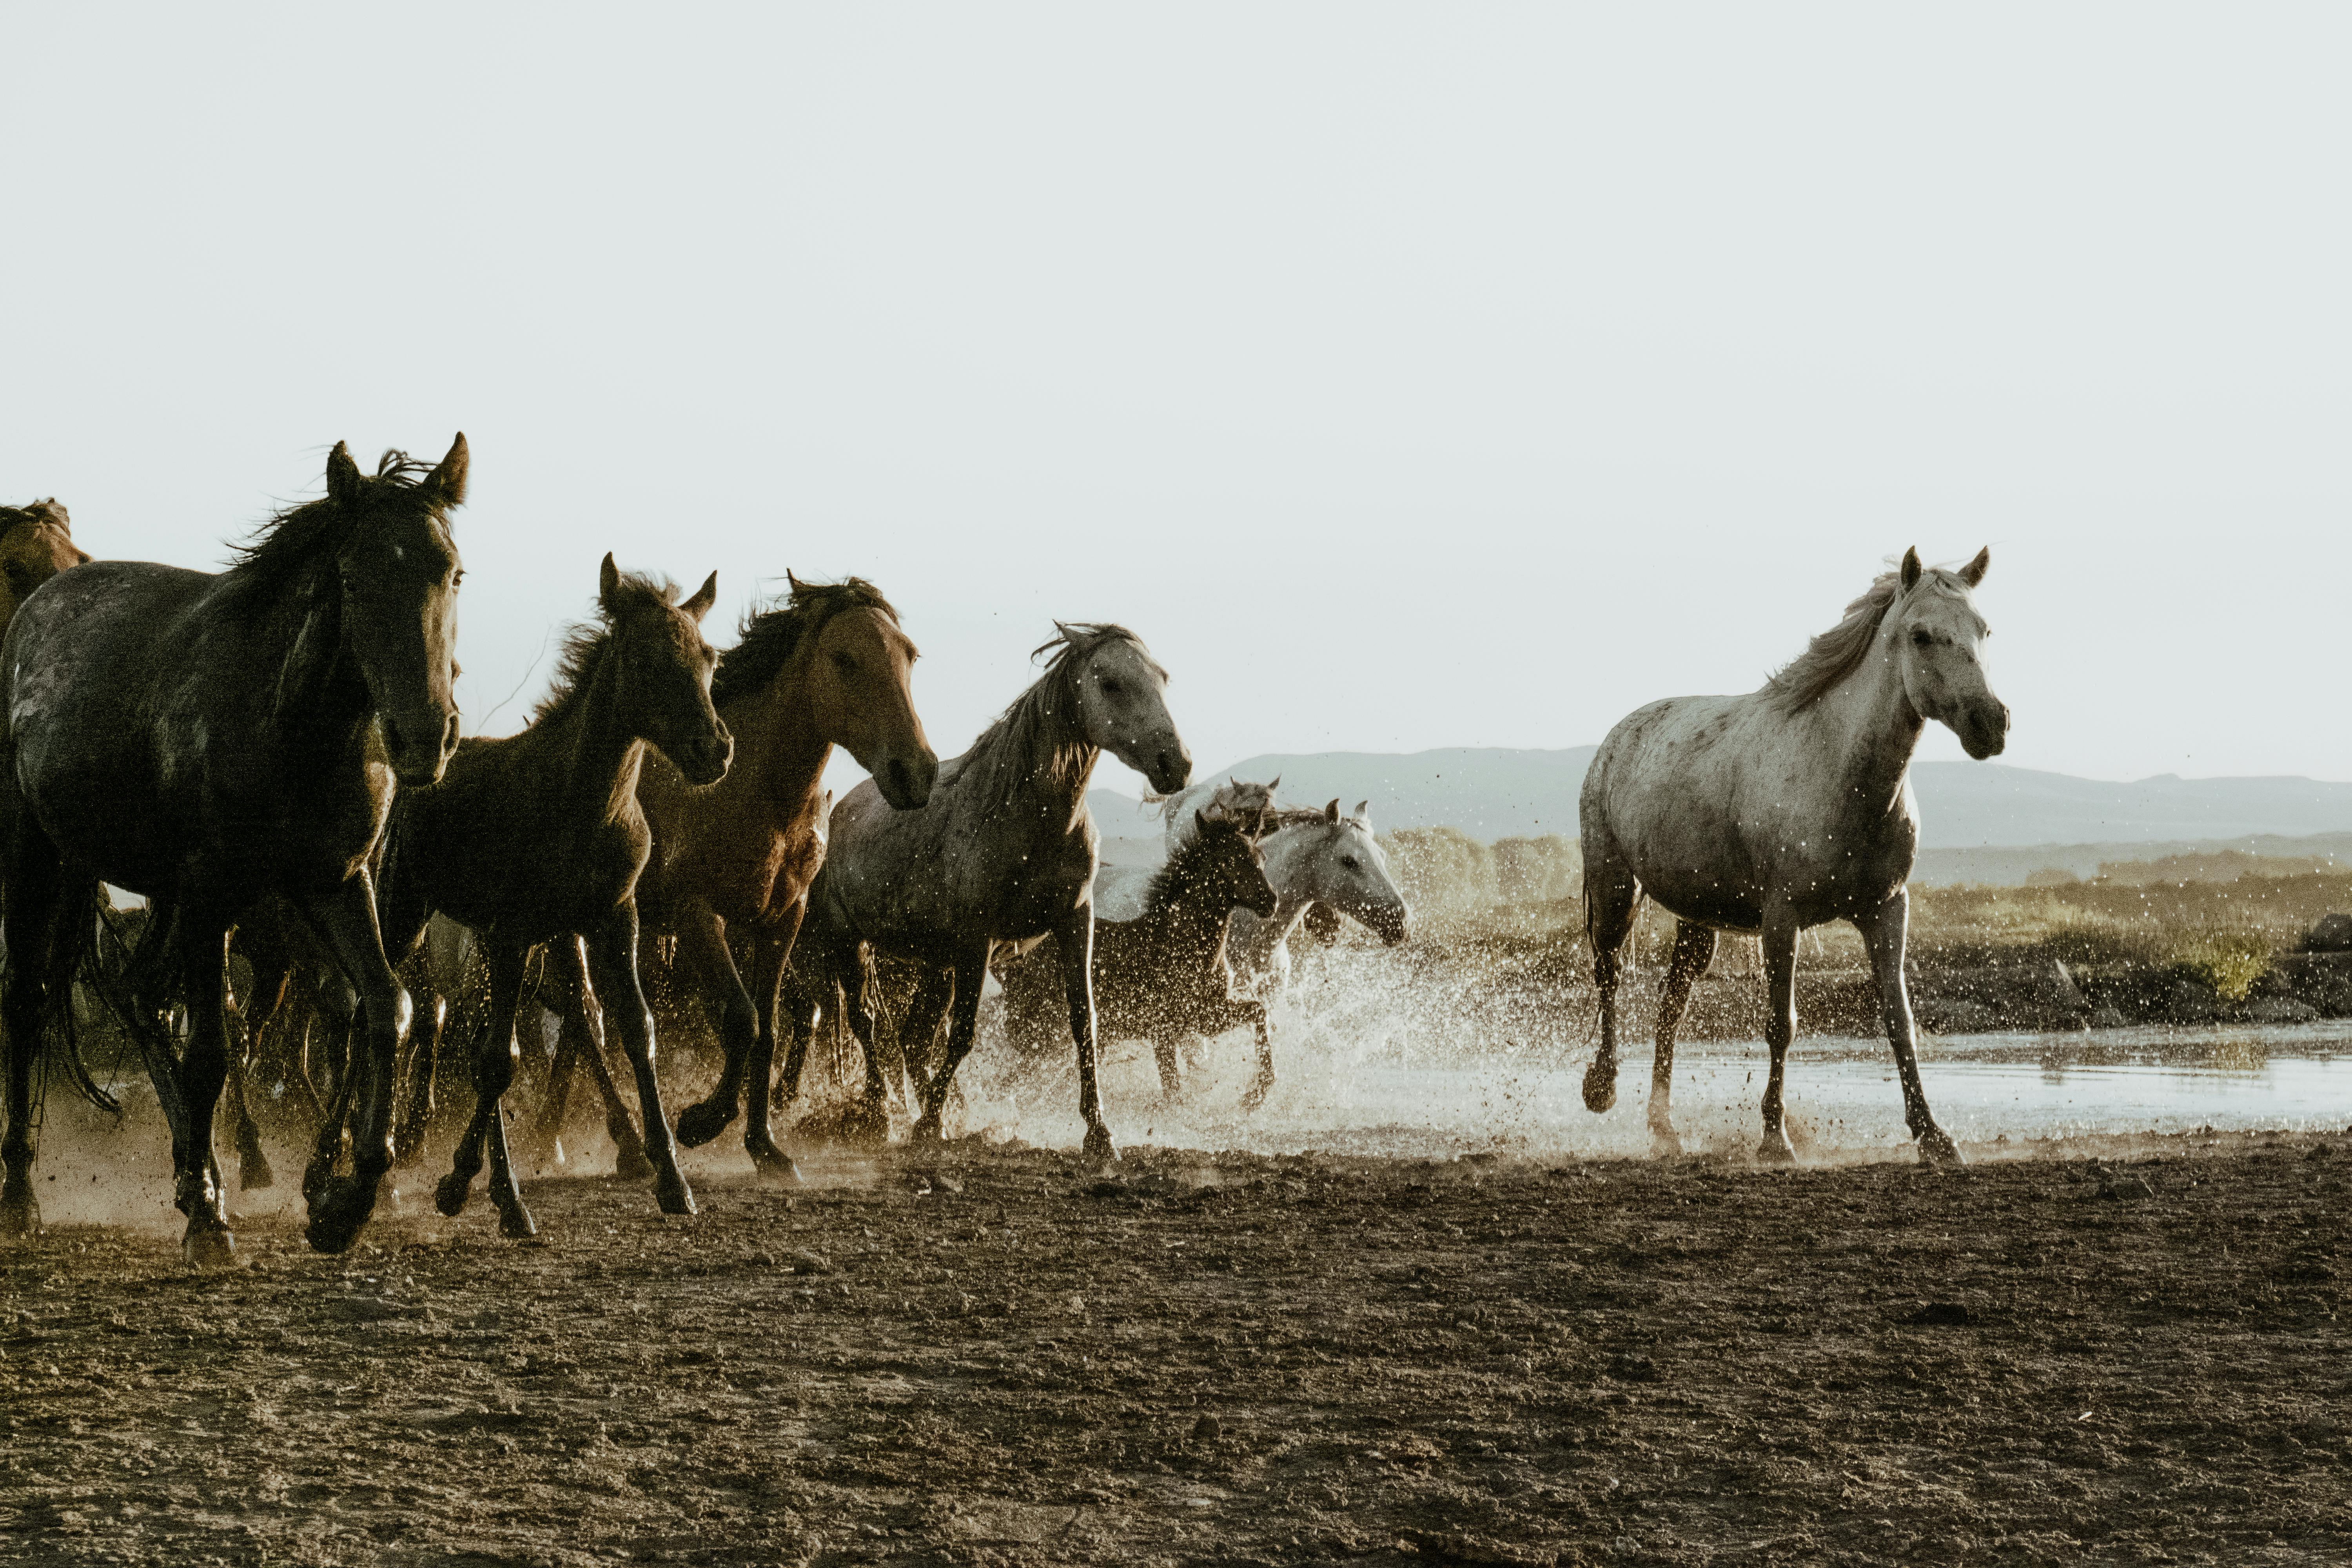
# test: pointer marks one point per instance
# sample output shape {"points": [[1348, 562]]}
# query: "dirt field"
{"points": [[995, 1356]]}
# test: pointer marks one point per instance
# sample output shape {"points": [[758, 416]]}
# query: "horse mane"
{"points": [[297, 536], [1038, 733], [769, 633], [1836, 653], [585, 645], [1170, 882]]}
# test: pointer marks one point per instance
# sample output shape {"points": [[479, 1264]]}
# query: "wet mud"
{"points": [[993, 1355]]}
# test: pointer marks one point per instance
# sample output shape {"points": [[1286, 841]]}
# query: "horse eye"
{"points": [[459, 580], [1922, 638], [1349, 861], [1110, 688]]}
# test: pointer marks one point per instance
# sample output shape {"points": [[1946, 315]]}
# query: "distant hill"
{"points": [[1494, 792]]}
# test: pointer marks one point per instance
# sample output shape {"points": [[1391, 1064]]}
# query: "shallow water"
{"points": [[1843, 1096]]}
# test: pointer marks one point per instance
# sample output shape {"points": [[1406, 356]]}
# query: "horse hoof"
{"points": [[927, 1129], [253, 1173], [699, 1124], [1776, 1149], [1665, 1144], [1937, 1148], [337, 1219], [316, 1175], [630, 1164], [20, 1213], [1098, 1148], [450, 1192], [674, 1196], [1600, 1086], [208, 1246], [771, 1163], [515, 1222]]}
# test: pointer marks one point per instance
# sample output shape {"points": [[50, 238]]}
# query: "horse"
{"points": [[1162, 976], [1316, 860], [1787, 807], [1181, 811], [828, 667], [35, 545], [1003, 854], [537, 836], [207, 738]]}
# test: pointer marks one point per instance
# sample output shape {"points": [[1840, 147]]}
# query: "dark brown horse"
{"points": [[537, 836], [1003, 854], [827, 668], [1162, 976], [206, 740]]}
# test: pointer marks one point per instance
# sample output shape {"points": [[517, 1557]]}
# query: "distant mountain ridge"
{"points": [[1493, 793]]}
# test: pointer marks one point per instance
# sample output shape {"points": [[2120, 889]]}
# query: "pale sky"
{"points": [[1407, 376]]}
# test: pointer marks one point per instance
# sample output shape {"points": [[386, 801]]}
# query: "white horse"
{"points": [[1786, 808], [1316, 858]]}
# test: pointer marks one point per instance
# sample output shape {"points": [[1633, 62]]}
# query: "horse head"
{"points": [[1344, 869], [859, 686], [35, 545], [1232, 866], [1938, 638], [396, 598], [1122, 703], [665, 669]]}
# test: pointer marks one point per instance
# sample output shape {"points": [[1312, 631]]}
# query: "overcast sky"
{"points": [[1407, 376]]}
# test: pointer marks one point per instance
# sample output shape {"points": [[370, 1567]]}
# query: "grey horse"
{"points": [[1002, 857], [1785, 808]]}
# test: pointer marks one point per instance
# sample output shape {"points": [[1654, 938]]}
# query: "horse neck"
{"points": [[598, 753], [1038, 760], [1870, 727], [321, 699], [1181, 915], [780, 751]]}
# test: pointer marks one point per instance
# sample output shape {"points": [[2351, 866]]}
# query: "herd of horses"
{"points": [[269, 756]]}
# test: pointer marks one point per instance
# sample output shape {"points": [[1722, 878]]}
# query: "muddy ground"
{"points": [[995, 1356]]}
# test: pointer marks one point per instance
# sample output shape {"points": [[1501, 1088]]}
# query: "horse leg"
{"points": [[1693, 950], [612, 966], [936, 992], [769, 950], [1252, 1011], [334, 1115], [1883, 933], [253, 1171], [582, 1040], [494, 1066], [869, 1119], [1611, 896], [963, 1024], [29, 925], [204, 1072], [1163, 1057], [702, 944], [1074, 943], [416, 1107], [346, 922], [1780, 1027], [797, 1013]]}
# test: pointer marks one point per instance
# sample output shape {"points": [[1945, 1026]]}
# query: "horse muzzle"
{"points": [[1984, 731], [905, 781], [420, 753], [1390, 922], [1169, 768], [708, 758]]}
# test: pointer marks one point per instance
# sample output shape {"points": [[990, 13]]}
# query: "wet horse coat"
{"points": [[1786, 808]]}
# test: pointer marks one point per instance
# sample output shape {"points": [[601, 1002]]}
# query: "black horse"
{"points": [[208, 739]]}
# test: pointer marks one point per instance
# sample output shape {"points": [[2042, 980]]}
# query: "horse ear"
{"points": [[704, 598], [1910, 568], [447, 481], [1331, 812], [608, 585], [1973, 573], [1201, 821], [343, 475], [1363, 812], [1274, 785]]}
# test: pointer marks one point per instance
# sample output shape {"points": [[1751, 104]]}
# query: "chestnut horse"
{"points": [[827, 668], [538, 838], [35, 545], [1786, 808], [206, 740]]}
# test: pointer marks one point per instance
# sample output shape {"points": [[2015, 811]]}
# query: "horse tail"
{"points": [[83, 930]]}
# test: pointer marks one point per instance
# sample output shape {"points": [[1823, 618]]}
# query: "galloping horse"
{"points": [[207, 738], [827, 668], [1004, 855], [1162, 976], [537, 836], [1786, 808], [1317, 859]]}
